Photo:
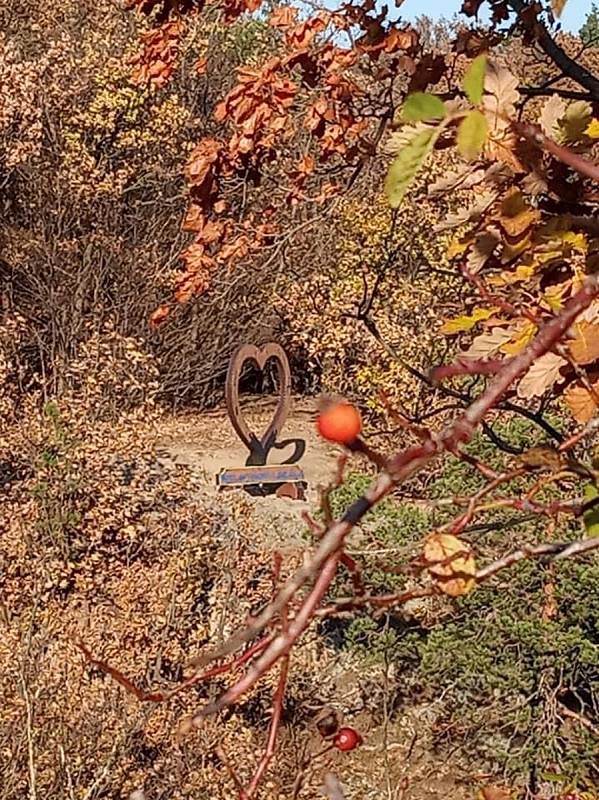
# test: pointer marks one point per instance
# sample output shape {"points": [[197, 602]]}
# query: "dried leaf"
{"points": [[584, 347], [159, 316], [488, 344], [482, 249], [501, 88], [451, 564], [521, 336], [581, 402], [493, 792], [282, 17], [470, 214], [516, 215], [553, 110], [544, 373], [557, 6], [465, 178]]}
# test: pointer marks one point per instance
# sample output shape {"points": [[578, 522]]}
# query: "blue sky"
{"points": [[572, 18]]}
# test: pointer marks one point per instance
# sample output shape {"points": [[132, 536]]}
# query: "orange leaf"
{"points": [[158, 316], [450, 563], [282, 17], [581, 402], [584, 348]]}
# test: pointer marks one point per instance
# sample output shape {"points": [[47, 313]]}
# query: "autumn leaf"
{"points": [[488, 344], [407, 164], [282, 17], [467, 322], [521, 336], [575, 121], [493, 792], [483, 248], [516, 214], [581, 402], [159, 316], [591, 517], [592, 129], [584, 347], [501, 88], [450, 564], [420, 106], [472, 134], [553, 111], [557, 6], [543, 375], [201, 66], [474, 79]]}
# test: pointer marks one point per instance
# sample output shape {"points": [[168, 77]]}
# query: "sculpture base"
{"points": [[285, 480]]}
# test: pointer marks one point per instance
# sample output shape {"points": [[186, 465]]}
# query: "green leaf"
{"points": [[474, 79], [472, 134], [420, 106], [405, 167], [591, 517]]}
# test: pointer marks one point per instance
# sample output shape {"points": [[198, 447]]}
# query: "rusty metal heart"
{"points": [[259, 356]]}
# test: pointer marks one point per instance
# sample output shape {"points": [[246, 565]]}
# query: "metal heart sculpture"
{"points": [[258, 446]]}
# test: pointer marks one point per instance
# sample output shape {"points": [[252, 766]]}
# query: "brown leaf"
{"points": [[584, 347], [581, 402], [544, 373], [516, 215], [487, 344], [502, 95], [482, 249]]}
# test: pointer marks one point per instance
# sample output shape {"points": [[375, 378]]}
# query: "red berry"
{"points": [[340, 423], [347, 739]]}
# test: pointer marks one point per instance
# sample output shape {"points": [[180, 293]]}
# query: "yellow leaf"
{"points": [[584, 347], [466, 323], [592, 129], [524, 336], [521, 273], [458, 247], [577, 119], [577, 241], [450, 564], [553, 299]]}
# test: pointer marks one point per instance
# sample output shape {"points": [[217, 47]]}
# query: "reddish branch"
{"points": [[323, 565]]}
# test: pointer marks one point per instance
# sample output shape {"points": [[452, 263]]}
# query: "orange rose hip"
{"points": [[340, 423]]}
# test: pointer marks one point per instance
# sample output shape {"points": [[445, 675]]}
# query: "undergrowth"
{"points": [[511, 670]]}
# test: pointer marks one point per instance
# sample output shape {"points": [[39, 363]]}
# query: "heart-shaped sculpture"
{"points": [[258, 446]]}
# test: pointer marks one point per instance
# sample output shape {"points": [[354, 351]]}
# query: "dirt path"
{"points": [[206, 443]]}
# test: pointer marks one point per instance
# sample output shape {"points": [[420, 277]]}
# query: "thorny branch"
{"points": [[289, 614]]}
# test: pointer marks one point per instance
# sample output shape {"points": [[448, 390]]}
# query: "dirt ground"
{"points": [[170, 566]]}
